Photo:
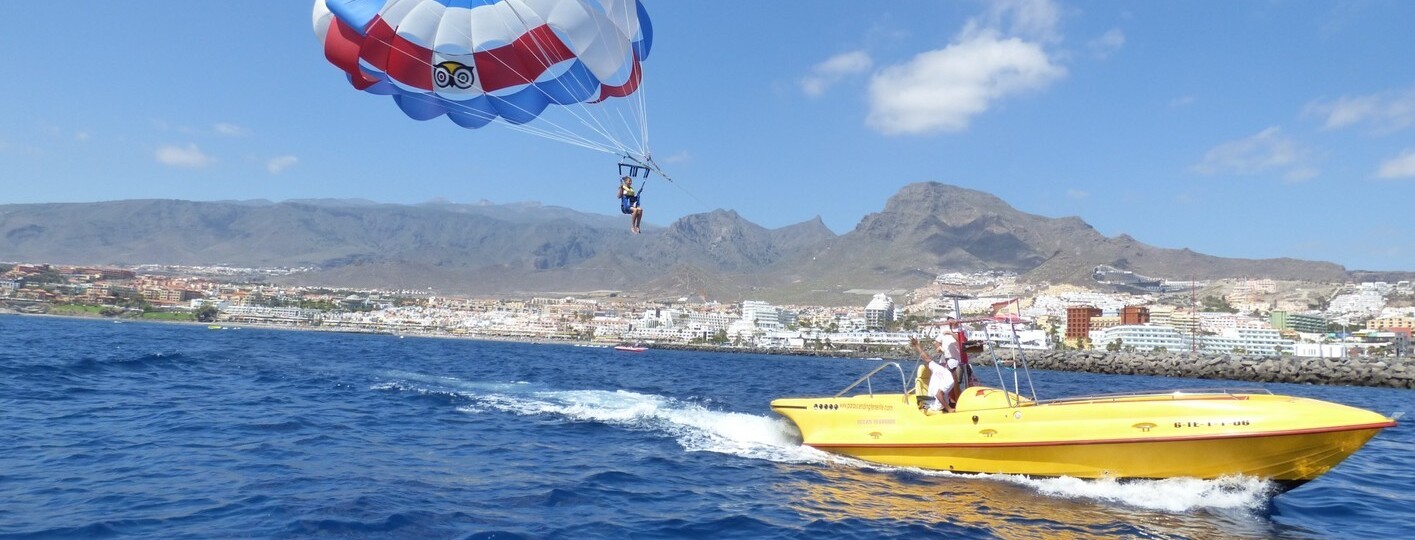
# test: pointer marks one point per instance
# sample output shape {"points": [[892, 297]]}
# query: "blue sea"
{"points": [[146, 430]]}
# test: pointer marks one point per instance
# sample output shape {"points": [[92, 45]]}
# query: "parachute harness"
{"points": [[642, 168]]}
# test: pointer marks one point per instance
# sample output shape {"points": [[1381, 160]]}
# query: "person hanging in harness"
{"points": [[629, 203]]}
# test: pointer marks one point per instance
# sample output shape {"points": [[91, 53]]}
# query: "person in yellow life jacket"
{"points": [[629, 203]]}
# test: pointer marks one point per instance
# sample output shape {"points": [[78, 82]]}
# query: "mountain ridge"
{"points": [[924, 229]]}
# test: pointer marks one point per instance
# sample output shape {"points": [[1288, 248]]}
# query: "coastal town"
{"points": [[1260, 317]]}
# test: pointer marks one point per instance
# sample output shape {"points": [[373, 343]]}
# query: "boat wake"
{"points": [[700, 429], [1168, 495]]}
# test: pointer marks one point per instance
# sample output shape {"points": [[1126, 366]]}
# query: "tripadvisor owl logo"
{"points": [[451, 74]]}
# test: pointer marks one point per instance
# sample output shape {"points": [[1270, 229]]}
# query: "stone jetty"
{"points": [[1352, 371]]}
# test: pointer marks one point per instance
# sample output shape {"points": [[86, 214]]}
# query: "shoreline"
{"points": [[1349, 371]]}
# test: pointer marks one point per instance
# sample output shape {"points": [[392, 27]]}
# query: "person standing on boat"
{"points": [[941, 368], [629, 203], [963, 373]]}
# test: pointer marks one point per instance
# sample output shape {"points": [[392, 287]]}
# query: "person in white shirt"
{"points": [[941, 369]]}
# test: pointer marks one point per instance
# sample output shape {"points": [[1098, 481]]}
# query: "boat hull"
{"points": [[1285, 439]]}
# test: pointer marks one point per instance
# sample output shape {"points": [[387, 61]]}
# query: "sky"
{"points": [[1249, 129]]}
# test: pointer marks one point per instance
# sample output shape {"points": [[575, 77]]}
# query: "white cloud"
{"points": [[1030, 19], [1077, 194], [1401, 166], [230, 130], [179, 156], [942, 90], [833, 70], [279, 164], [82, 136], [1107, 44], [1268, 151], [994, 56], [1383, 112]]}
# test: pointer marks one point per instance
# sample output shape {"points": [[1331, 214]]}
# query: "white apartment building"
{"points": [[1250, 289], [1005, 336], [1142, 337], [879, 312], [868, 338], [1161, 315], [661, 318], [1365, 302], [743, 328], [766, 316], [847, 323], [1185, 321], [1378, 287], [1055, 306], [710, 321], [1257, 341], [1220, 321], [1322, 350], [262, 312]]}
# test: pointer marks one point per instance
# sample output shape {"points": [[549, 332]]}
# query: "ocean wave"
{"points": [[698, 428]]}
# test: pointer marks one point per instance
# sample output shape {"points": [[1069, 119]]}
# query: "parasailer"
{"points": [[567, 70], [629, 203]]}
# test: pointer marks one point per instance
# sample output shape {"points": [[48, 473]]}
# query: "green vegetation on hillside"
{"points": [[168, 316], [76, 309], [90, 310], [1216, 304], [47, 276]]}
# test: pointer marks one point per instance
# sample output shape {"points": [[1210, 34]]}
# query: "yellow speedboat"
{"points": [[1188, 433]]}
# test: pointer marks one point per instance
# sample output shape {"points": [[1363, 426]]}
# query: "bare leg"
{"points": [[942, 398]]}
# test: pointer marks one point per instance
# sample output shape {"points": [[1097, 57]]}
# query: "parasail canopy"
{"points": [[568, 70]]}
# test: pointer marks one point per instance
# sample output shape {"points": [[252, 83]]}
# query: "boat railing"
{"points": [[1020, 360], [869, 386], [1170, 393]]}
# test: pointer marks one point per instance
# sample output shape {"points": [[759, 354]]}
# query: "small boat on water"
{"points": [[631, 348], [1205, 433]]}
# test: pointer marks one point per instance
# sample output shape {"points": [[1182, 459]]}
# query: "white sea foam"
{"points": [[1168, 495], [700, 429]]}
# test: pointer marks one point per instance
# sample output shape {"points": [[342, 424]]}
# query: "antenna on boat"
{"points": [[1193, 319]]}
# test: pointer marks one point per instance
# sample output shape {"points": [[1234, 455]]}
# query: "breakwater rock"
{"points": [[1352, 371], [876, 353]]}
